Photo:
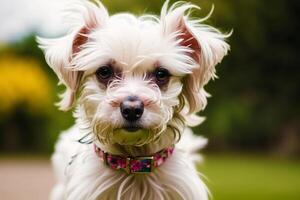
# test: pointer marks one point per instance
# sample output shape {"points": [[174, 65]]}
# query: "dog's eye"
{"points": [[104, 73], [162, 76]]}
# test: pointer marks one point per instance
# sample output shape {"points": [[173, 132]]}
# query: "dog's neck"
{"points": [[165, 140]]}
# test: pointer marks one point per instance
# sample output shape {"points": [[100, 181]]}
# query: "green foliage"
{"points": [[29, 121], [257, 94]]}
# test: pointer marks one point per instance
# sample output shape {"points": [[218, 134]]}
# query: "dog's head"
{"points": [[135, 78]]}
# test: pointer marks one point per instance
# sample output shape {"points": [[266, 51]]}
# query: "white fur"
{"points": [[135, 46], [82, 176]]}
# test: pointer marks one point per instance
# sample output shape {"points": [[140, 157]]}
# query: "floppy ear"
{"points": [[84, 17], [207, 50]]}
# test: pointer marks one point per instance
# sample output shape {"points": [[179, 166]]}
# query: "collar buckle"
{"points": [[140, 165]]}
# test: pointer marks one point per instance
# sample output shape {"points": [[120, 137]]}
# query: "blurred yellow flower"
{"points": [[23, 82]]}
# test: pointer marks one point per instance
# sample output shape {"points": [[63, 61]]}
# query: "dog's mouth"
{"points": [[131, 128], [131, 135]]}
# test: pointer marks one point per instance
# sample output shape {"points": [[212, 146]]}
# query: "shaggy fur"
{"points": [[135, 47]]}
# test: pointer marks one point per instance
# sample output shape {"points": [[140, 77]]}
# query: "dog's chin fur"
{"points": [[135, 47]]}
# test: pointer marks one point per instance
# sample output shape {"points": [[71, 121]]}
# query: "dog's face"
{"points": [[135, 78]]}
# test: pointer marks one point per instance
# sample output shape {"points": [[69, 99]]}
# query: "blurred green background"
{"points": [[253, 121]]}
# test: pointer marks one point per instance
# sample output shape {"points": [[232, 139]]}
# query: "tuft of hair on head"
{"points": [[207, 48], [83, 17]]}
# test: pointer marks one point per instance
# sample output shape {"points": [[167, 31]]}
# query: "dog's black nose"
{"points": [[132, 108]]}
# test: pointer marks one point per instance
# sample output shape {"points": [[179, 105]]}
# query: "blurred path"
{"points": [[25, 179]]}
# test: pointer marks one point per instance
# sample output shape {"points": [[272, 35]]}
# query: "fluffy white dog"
{"points": [[137, 83]]}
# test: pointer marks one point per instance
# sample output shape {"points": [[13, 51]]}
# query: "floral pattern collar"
{"points": [[134, 165]]}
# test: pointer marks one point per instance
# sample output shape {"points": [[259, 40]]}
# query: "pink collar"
{"points": [[134, 165]]}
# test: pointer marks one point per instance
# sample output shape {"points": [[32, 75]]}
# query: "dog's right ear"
{"points": [[84, 17]]}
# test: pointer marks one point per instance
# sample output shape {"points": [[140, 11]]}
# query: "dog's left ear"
{"points": [[84, 16], [207, 47]]}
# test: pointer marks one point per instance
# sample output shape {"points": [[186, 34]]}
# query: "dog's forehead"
{"points": [[134, 43], [131, 46]]}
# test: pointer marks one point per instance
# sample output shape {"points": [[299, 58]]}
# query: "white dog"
{"points": [[137, 83]]}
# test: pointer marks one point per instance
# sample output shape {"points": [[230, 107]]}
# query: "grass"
{"points": [[250, 177]]}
